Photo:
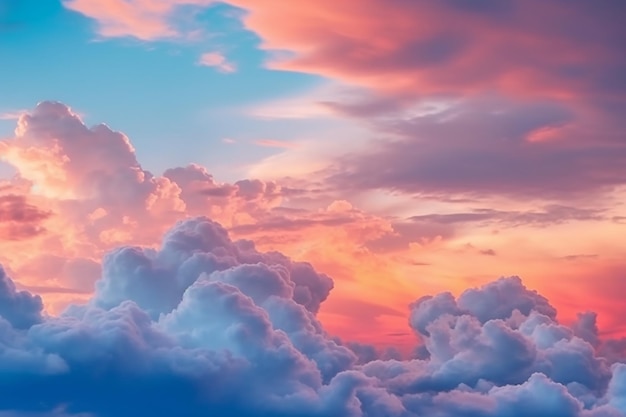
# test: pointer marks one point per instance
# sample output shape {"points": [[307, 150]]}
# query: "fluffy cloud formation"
{"points": [[204, 324], [201, 313], [81, 192], [19, 308], [64, 159]]}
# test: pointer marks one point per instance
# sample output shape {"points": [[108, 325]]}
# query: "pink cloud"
{"points": [[100, 197], [90, 179], [275, 143], [20, 219], [538, 48], [449, 47], [143, 19], [563, 63], [12, 115], [491, 146], [218, 61]]}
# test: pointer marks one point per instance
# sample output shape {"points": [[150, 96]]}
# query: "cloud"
{"points": [[265, 305], [552, 214], [512, 45], [146, 20], [544, 75], [63, 158], [162, 294], [77, 273], [490, 46], [502, 49], [19, 308], [11, 115], [13, 208], [89, 178], [481, 147], [274, 143], [101, 197], [223, 328], [553, 130], [218, 61], [20, 219]]}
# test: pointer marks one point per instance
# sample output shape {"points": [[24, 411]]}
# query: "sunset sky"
{"points": [[387, 149]]}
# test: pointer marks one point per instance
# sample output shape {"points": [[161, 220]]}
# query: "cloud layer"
{"points": [[223, 327], [490, 146], [81, 192], [419, 47], [204, 324]]}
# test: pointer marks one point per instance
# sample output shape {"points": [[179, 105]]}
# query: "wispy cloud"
{"points": [[271, 143], [218, 61], [11, 115], [144, 20]]}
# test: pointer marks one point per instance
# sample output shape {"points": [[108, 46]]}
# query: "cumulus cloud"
{"points": [[64, 159], [201, 246], [20, 308], [223, 327], [96, 196], [84, 193], [207, 325]]}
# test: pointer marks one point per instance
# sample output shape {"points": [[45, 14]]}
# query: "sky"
{"points": [[357, 208]]}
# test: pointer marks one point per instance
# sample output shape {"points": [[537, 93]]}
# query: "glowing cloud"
{"points": [[225, 328]]}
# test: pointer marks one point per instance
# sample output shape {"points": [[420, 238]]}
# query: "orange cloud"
{"points": [[446, 47], [379, 263]]}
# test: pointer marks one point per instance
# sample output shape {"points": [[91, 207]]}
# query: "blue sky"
{"points": [[174, 110]]}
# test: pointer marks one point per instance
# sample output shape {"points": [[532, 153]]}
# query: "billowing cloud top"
{"points": [[204, 325]]}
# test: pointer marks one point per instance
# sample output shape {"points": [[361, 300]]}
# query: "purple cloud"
{"points": [[491, 147]]}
